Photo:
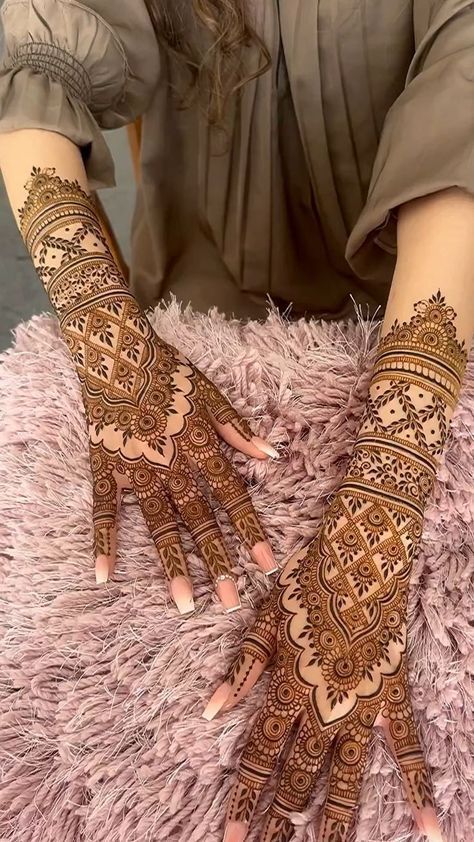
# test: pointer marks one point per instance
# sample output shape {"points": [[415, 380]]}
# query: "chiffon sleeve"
{"points": [[77, 68]]}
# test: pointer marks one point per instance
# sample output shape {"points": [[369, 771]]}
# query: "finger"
{"points": [[231, 492], [161, 521], [105, 495], [234, 429], [256, 651], [398, 724], [264, 746], [299, 775], [346, 773], [199, 518]]}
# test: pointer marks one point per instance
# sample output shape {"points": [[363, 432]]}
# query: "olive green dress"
{"points": [[368, 103]]}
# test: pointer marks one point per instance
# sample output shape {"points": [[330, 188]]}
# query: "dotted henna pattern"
{"points": [[336, 619], [148, 408]]}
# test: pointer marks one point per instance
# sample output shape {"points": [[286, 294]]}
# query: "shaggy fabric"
{"points": [[102, 687]]}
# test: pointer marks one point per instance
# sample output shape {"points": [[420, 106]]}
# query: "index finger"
{"points": [[256, 651], [231, 427]]}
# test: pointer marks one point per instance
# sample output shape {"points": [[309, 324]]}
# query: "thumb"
{"points": [[231, 427], [258, 648], [105, 495]]}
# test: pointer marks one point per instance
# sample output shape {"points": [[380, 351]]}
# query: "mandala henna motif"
{"points": [[336, 619], [149, 410]]}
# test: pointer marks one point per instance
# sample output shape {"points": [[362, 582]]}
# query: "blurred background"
{"points": [[21, 292]]}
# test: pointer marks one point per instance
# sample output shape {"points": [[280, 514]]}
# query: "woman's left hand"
{"points": [[336, 623], [336, 618]]}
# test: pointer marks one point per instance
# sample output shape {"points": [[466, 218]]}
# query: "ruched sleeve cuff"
{"points": [[30, 100], [66, 69], [427, 142]]}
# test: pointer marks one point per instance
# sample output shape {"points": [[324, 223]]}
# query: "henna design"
{"points": [[223, 412], [339, 606], [148, 409]]}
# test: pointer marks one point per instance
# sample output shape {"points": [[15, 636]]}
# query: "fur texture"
{"points": [[102, 687]]}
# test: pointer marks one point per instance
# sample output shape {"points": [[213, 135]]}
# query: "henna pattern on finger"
{"points": [[145, 402], [222, 410], [105, 501], [342, 602]]}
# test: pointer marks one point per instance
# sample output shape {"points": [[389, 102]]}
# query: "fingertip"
{"points": [[181, 591], [264, 447], [228, 593], [236, 831], [430, 825], [217, 701], [250, 445], [102, 568], [262, 554]]}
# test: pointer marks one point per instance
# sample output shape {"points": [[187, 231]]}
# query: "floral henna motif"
{"points": [[149, 410], [338, 609]]}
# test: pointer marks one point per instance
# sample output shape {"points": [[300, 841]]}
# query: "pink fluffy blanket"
{"points": [[102, 687]]}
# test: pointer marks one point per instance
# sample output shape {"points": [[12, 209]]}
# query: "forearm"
{"points": [[20, 151], [435, 251], [421, 355], [435, 254], [47, 186], [57, 217]]}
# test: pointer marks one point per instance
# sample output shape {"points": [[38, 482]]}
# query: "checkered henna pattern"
{"points": [[336, 619], [150, 411]]}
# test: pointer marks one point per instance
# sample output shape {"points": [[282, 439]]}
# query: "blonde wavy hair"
{"points": [[208, 38]]}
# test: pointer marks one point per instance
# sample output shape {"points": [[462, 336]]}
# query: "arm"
{"points": [[150, 413], [336, 618], [435, 244]]}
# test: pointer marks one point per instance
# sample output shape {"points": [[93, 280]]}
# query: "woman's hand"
{"points": [[335, 625], [154, 420], [336, 618]]}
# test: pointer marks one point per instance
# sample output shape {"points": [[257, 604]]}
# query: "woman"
{"points": [[316, 151]]}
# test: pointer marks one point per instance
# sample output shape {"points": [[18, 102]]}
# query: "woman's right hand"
{"points": [[154, 419]]}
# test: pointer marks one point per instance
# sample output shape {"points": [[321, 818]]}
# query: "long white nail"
{"points": [[101, 569], [431, 826], [228, 593], [216, 701], [182, 592], [262, 553], [265, 447], [236, 832]]}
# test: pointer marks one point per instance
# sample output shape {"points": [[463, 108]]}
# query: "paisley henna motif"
{"points": [[151, 414], [336, 619]]}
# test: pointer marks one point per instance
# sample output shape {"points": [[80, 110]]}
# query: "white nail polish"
{"points": [[265, 447]]}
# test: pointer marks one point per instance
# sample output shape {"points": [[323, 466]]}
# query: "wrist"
{"points": [[413, 391], [63, 233]]}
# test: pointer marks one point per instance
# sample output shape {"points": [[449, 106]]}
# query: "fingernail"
{"points": [[182, 592], [262, 553], [431, 826], [216, 701], [265, 447], [101, 569], [228, 594], [419, 820], [235, 832]]}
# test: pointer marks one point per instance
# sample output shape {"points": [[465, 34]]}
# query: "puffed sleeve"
{"points": [[427, 141], [76, 68]]}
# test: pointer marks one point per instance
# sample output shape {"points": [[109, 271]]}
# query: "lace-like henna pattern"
{"points": [[223, 413], [148, 408], [337, 614]]}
